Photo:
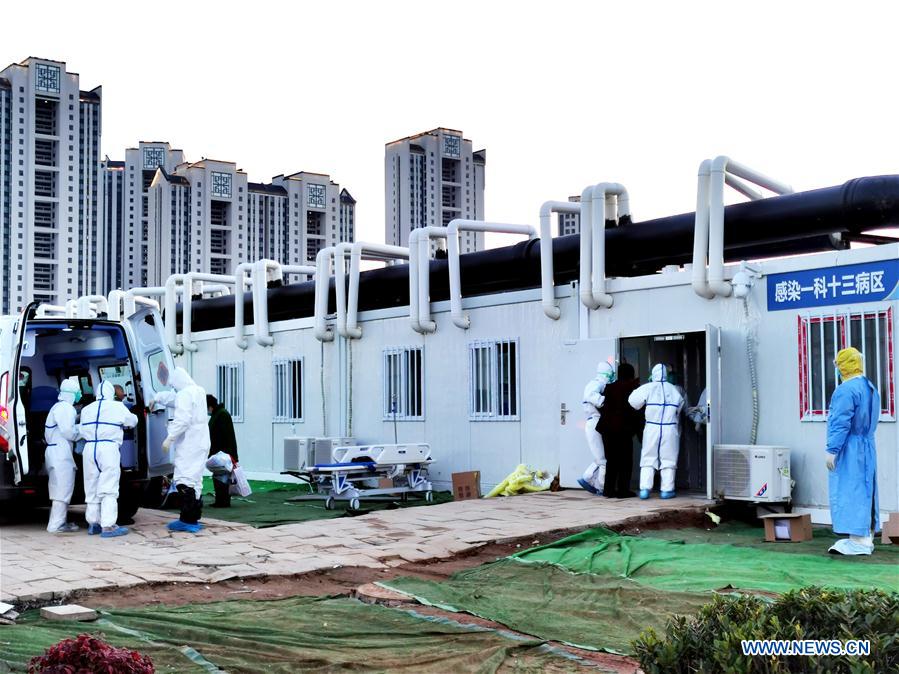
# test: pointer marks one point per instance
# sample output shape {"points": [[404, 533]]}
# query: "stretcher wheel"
{"points": [[329, 503], [429, 496], [354, 504]]}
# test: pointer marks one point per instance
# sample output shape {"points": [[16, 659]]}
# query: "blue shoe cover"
{"points": [[93, 529], [644, 494], [112, 533], [587, 486], [178, 525], [668, 494]]}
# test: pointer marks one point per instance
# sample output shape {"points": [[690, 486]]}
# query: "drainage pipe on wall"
{"points": [[547, 284], [452, 239]]}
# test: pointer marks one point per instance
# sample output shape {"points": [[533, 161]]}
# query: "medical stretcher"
{"points": [[352, 471]]}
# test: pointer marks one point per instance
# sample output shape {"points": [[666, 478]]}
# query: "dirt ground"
{"points": [[345, 581]]}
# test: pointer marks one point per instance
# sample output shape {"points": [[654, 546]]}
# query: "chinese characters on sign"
{"points": [[873, 281]]}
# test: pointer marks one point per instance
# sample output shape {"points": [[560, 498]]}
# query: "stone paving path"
{"points": [[35, 565]]}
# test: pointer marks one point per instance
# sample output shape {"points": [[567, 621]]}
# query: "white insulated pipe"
{"points": [[50, 310], [114, 302], [174, 285], [217, 282], [452, 240], [341, 251], [322, 281], [261, 271], [87, 303], [71, 308], [720, 166], [600, 202], [240, 288], [420, 276], [371, 251], [701, 233], [143, 296], [547, 283]]}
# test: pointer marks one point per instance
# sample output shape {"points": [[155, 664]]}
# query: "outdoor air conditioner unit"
{"points": [[759, 473], [301, 453]]}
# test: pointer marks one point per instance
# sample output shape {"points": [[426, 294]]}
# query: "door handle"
{"points": [[563, 413]]}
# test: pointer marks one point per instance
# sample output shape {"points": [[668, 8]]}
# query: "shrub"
{"points": [[711, 641], [86, 655]]}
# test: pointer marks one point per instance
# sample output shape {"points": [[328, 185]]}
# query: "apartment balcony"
{"points": [[45, 116], [45, 184], [45, 152]]}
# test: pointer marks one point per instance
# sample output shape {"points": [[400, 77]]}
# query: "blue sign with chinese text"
{"points": [[868, 282]]}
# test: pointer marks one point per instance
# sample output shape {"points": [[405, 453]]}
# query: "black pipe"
{"points": [[792, 224]]}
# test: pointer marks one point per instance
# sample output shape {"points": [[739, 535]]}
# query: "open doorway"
{"points": [[685, 355]]}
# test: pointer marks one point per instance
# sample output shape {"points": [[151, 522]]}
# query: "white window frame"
{"points": [[229, 388], [286, 382], [814, 324], [486, 370], [398, 375]]}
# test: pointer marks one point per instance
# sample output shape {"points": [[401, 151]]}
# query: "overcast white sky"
{"points": [[561, 94]]}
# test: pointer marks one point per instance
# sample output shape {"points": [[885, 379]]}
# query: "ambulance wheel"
{"points": [[429, 496], [404, 497], [329, 503], [354, 504]]}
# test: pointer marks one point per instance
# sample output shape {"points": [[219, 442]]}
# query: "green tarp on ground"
{"points": [[269, 505], [746, 535], [599, 612], [704, 567], [291, 635], [599, 589]]}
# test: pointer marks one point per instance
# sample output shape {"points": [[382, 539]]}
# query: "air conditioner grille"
{"points": [[732, 475]]}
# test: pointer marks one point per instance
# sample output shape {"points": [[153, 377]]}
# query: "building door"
{"points": [[578, 366]]}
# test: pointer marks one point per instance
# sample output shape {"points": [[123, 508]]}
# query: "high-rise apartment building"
{"points": [[431, 179], [206, 216], [51, 186], [570, 223]]}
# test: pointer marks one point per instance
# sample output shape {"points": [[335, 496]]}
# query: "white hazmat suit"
{"points": [[188, 434], [60, 431], [594, 476], [102, 424], [661, 435]]}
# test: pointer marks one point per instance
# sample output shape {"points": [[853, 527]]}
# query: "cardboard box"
{"points": [[787, 527], [467, 485], [890, 530]]}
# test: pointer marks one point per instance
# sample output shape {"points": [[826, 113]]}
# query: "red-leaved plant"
{"points": [[88, 655]]}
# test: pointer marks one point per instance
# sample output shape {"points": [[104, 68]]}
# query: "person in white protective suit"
{"points": [[102, 424], [60, 431], [661, 435], [594, 476], [188, 436]]}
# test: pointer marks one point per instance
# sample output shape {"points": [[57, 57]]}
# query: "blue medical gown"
{"points": [[852, 420]]}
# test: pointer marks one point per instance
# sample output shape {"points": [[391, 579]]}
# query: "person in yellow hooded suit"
{"points": [[852, 457]]}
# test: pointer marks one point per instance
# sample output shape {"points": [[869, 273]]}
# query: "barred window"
{"points": [[288, 393], [229, 388], [493, 380], [403, 390], [822, 336]]}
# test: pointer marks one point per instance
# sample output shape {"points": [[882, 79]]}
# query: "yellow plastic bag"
{"points": [[522, 480]]}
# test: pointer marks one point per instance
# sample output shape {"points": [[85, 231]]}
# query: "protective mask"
{"points": [[77, 397]]}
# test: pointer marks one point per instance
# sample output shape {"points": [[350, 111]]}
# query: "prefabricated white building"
{"points": [[507, 389]]}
